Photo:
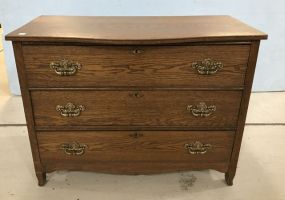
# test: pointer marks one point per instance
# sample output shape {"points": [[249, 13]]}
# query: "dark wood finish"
{"points": [[145, 93], [138, 146], [136, 168], [130, 88], [136, 30], [40, 173], [155, 66], [229, 176], [124, 108], [131, 128]]}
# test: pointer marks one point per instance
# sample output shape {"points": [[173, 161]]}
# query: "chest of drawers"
{"points": [[135, 95]]}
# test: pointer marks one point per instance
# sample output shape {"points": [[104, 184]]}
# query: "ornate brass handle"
{"points": [[65, 67], [74, 148], [201, 110], [198, 148], [207, 66], [70, 110]]}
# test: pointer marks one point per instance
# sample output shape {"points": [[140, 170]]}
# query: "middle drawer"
{"points": [[193, 109]]}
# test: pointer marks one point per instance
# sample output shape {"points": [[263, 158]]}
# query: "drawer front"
{"points": [[193, 109], [161, 66], [87, 147]]}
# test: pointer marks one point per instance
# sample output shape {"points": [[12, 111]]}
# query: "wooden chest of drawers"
{"points": [[135, 95]]}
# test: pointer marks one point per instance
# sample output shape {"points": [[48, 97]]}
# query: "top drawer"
{"points": [[143, 66]]}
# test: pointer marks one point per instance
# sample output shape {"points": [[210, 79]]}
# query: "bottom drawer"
{"points": [[135, 152]]}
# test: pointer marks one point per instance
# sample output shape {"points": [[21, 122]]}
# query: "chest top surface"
{"points": [[135, 30]]}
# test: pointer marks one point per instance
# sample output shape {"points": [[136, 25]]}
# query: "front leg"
{"points": [[41, 178], [229, 178]]}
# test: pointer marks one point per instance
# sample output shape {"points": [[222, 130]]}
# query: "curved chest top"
{"points": [[135, 30]]}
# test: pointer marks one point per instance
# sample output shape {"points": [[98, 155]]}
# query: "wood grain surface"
{"points": [[155, 66], [135, 168], [148, 108], [229, 176], [135, 30], [121, 146], [135, 83], [27, 103]]}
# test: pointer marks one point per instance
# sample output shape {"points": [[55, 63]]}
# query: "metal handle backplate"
{"points": [[198, 148], [207, 66], [70, 110], [73, 148], [65, 67], [201, 110]]}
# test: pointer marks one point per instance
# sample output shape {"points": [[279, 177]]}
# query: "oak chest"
{"points": [[135, 95]]}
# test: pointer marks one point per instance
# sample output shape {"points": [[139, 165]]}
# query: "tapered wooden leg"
{"points": [[41, 178], [229, 178]]}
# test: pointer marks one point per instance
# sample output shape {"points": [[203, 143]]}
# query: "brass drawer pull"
{"points": [[136, 135], [201, 110], [198, 148], [207, 66], [70, 110], [65, 67], [74, 148]]}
